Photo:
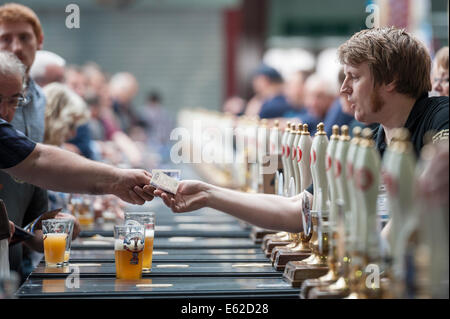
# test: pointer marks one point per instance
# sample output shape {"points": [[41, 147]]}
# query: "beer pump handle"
{"points": [[340, 168], [349, 181], [275, 138], [290, 169], [318, 152], [303, 158], [283, 155], [294, 159], [330, 158], [367, 181]]}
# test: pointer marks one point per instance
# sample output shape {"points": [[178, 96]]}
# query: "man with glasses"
{"points": [[439, 74], [21, 34], [48, 166], [12, 103]]}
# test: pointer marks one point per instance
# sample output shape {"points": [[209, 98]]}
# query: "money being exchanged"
{"points": [[175, 173], [164, 182]]}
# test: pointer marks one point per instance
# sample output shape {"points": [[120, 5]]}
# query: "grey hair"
{"points": [[42, 60], [11, 65], [316, 80]]}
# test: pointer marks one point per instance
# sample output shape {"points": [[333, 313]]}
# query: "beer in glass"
{"points": [[129, 251], [55, 232]]}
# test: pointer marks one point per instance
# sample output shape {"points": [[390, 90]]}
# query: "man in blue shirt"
{"points": [[319, 96], [21, 34], [44, 165], [268, 86]]}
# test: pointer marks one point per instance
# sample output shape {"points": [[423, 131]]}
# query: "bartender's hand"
{"points": [[76, 223], [12, 229], [191, 195]]}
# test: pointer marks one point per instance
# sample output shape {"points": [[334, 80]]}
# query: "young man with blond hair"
{"points": [[387, 79], [387, 82]]}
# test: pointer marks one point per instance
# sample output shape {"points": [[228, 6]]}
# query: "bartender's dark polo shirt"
{"points": [[429, 114], [14, 146]]}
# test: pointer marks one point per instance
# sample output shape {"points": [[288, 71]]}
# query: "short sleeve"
{"points": [[14, 146], [440, 122]]}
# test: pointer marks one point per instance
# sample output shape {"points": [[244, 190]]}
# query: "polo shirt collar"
{"points": [[415, 115]]}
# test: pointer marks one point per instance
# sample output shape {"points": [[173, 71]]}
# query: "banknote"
{"points": [[175, 173], [164, 182]]}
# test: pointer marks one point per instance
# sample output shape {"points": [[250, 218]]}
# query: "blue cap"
{"points": [[269, 72]]}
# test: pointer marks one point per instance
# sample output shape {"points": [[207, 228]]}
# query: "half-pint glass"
{"points": [[55, 232]]}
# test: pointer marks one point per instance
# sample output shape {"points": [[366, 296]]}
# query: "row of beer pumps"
{"points": [[340, 252]]}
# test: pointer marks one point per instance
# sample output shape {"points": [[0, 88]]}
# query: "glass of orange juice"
{"points": [[55, 232], [146, 219], [129, 251]]}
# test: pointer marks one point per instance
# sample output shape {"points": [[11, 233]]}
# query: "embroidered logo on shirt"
{"points": [[18, 181], [439, 136]]}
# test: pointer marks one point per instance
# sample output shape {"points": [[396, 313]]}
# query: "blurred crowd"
{"points": [[91, 113]]}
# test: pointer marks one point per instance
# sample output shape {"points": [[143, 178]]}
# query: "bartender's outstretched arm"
{"points": [[56, 169], [263, 210]]}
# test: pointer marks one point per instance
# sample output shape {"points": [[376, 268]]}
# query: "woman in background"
{"points": [[65, 111]]}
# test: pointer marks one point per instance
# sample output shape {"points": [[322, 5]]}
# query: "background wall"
{"points": [[179, 46], [174, 48]]}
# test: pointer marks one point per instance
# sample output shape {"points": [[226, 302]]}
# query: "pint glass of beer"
{"points": [[55, 232], [146, 219], [129, 250], [82, 208]]}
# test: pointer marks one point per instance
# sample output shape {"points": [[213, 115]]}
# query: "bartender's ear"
{"points": [[390, 87]]}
